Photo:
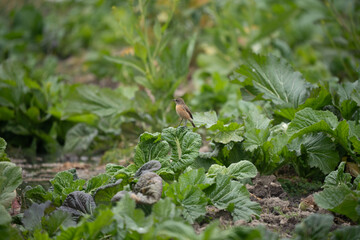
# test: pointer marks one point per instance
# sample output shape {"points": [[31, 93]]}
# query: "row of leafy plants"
{"points": [[142, 47], [310, 127], [158, 197]]}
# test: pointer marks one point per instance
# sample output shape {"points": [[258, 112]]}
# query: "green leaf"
{"points": [[314, 227], [164, 210], [125, 173], [151, 147], [339, 199], [309, 120], [111, 169], [6, 114], [57, 219], [79, 138], [33, 215], [234, 197], [96, 182], [319, 98], [10, 179], [215, 169], [92, 99], [188, 194], [346, 233], [127, 62], [227, 132], [3, 156], [5, 216], [194, 177], [318, 150], [64, 184], [184, 146], [140, 51], [175, 230], [38, 194], [255, 138], [129, 218], [337, 177], [206, 119], [242, 170], [92, 230], [71, 233], [104, 194], [274, 78], [40, 235]]}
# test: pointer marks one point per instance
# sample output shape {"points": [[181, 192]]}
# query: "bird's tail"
{"points": [[192, 123]]}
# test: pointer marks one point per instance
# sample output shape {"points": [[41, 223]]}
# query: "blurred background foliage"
{"points": [[87, 76]]}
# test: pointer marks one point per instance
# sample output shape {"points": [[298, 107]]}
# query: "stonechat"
{"points": [[183, 111]]}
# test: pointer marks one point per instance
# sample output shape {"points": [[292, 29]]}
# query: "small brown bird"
{"points": [[183, 111]]}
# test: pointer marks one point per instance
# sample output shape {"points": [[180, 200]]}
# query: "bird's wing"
{"points": [[188, 110]]}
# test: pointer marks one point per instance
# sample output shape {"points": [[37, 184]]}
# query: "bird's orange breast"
{"points": [[182, 112]]}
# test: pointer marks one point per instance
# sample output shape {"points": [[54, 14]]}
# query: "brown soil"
{"points": [[280, 213]]}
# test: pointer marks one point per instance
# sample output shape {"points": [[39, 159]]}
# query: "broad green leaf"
{"points": [[195, 177], [347, 232], [354, 135], [314, 227], [275, 79], [234, 197], [41, 235], [38, 194], [184, 146], [57, 219], [92, 230], [151, 147], [104, 194], [318, 150], [111, 168], [33, 215], [96, 182], [175, 230], [125, 173], [342, 134], [5, 216], [206, 119], [64, 184], [164, 210], [187, 194], [227, 132], [332, 197], [10, 179], [339, 199], [79, 138], [71, 233], [102, 102], [215, 169], [127, 62], [255, 138], [242, 170], [337, 177], [253, 115], [3, 156], [319, 98], [129, 218], [309, 120]]}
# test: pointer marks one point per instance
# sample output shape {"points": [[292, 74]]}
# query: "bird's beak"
{"points": [[174, 100]]}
